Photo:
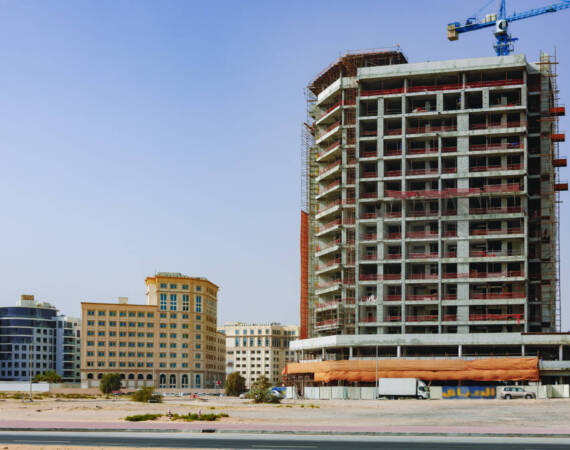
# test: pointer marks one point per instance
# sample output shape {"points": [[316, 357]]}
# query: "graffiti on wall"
{"points": [[456, 392]]}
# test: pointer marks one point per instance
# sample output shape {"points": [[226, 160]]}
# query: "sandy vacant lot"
{"points": [[484, 413]]}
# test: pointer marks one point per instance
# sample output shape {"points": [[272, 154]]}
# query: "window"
{"points": [[112, 324], [185, 287], [198, 327], [173, 302], [101, 313], [113, 313], [122, 324], [90, 312], [132, 314], [162, 302], [198, 317], [101, 333], [140, 314], [122, 314], [163, 286], [122, 333], [198, 307], [150, 315], [173, 355], [150, 325], [90, 323], [172, 325], [172, 335], [173, 286], [173, 315], [198, 288]]}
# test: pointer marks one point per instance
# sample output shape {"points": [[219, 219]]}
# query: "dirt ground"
{"points": [[485, 413]]}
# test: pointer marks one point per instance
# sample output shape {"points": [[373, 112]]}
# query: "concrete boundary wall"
{"points": [[368, 393]]}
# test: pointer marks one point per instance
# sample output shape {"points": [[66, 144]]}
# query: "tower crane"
{"points": [[500, 21]]}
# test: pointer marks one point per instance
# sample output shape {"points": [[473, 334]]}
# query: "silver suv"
{"points": [[509, 392]]}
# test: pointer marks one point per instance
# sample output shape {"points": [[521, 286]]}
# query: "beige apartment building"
{"points": [[254, 350], [171, 342]]}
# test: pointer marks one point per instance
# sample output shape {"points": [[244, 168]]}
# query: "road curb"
{"points": [[289, 432]]}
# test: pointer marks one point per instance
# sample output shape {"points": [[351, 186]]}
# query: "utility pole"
{"points": [[30, 362], [376, 378]]}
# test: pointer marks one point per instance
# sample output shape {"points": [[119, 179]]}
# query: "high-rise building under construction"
{"points": [[430, 197]]}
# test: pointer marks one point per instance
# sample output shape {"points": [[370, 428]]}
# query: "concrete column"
{"points": [[399, 351], [522, 350], [460, 350], [560, 352], [349, 352], [323, 353]]}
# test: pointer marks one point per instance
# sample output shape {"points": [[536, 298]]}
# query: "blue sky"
{"points": [[164, 136]]}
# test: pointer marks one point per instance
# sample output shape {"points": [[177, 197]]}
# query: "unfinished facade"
{"points": [[430, 197]]}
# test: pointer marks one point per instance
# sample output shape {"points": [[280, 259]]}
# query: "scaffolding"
{"points": [[551, 186], [308, 208]]}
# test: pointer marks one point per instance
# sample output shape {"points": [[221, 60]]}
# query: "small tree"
{"points": [[145, 394], [261, 393], [235, 384], [49, 376], [110, 382]]}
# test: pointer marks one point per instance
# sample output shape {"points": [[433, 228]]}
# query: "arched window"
{"points": [[99, 376], [198, 381], [162, 379], [122, 376], [89, 376], [131, 376], [149, 376], [140, 376], [184, 381], [172, 383]]}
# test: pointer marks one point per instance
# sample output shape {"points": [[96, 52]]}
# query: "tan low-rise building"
{"points": [[256, 350], [171, 342]]}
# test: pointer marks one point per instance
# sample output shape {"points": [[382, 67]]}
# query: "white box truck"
{"points": [[394, 388]]}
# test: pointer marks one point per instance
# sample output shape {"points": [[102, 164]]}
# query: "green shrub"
{"points": [[199, 417], [235, 384], [49, 376], [145, 394], [142, 417], [110, 382], [260, 392]]}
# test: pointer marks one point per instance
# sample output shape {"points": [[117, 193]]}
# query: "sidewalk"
{"points": [[221, 427]]}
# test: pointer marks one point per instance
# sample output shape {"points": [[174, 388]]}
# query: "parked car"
{"points": [[509, 392]]}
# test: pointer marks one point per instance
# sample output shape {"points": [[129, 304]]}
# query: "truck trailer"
{"points": [[395, 388]]}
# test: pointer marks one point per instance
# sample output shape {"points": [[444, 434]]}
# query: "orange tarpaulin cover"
{"points": [[495, 369]]}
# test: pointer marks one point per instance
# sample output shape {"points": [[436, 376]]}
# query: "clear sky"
{"points": [[143, 136]]}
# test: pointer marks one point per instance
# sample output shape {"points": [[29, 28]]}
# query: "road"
{"points": [[257, 442]]}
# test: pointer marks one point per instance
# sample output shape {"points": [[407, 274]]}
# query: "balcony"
{"points": [[329, 150], [480, 317], [496, 168], [431, 129], [496, 295], [421, 150], [426, 255], [327, 246], [424, 318], [393, 256], [423, 213], [368, 237], [393, 318], [422, 276], [393, 235], [415, 172], [421, 297], [332, 323], [368, 319], [495, 231], [493, 210], [393, 298], [497, 125], [494, 254], [332, 263], [421, 234], [380, 277], [369, 174], [329, 168], [393, 151], [494, 147]]}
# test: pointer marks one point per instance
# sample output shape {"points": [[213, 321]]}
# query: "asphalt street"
{"points": [[257, 442]]}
